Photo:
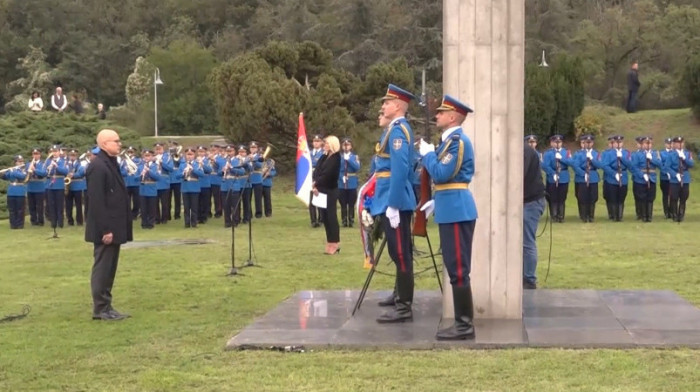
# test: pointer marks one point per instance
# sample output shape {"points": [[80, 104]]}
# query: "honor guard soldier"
{"points": [[665, 178], [615, 164], [394, 200], [56, 171], [347, 183], [149, 175], [215, 179], [269, 171], [677, 164], [556, 165], [36, 188], [417, 167], [74, 194], [316, 154], [531, 141], [256, 161], [16, 191], [132, 182], [598, 164], [204, 185], [643, 168], [244, 183], [451, 168], [230, 188], [190, 173], [175, 184], [586, 178], [164, 165]]}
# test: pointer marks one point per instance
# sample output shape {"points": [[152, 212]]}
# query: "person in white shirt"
{"points": [[36, 104], [59, 102]]}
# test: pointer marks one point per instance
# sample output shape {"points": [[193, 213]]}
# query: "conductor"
{"points": [[108, 222]]}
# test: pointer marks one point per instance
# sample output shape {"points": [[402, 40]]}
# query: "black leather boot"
{"points": [[650, 209], [591, 212], [562, 211], [681, 212], [638, 209], [463, 328], [388, 301], [582, 211], [402, 309], [611, 213]]}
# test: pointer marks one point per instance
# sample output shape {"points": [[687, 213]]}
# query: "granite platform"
{"points": [[551, 318]]}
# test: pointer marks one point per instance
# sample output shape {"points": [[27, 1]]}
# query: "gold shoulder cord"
{"points": [[460, 156], [380, 149]]}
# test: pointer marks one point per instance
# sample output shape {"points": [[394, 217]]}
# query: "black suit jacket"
{"points": [[327, 172], [108, 202]]}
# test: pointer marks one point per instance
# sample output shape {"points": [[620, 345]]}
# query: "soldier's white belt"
{"points": [[352, 174], [148, 182], [384, 174], [452, 185]]}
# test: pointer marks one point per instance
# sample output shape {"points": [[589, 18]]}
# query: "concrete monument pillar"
{"points": [[483, 66]]}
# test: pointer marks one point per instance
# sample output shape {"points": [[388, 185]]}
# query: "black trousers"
{"points": [[347, 199], [665, 199], [75, 197], [104, 270], [257, 192], [149, 208], [616, 200], [644, 196], [55, 204], [247, 194], [134, 198], [456, 244], [267, 200], [329, 215], [176, 199], [231, 207], [678, 195], [398, 242], [631, 101], [163, 207], [557, 200], [192, 211], [216, 195], [36, 208], [204, 205], [587, 196], [314, 212], [15, 205]]}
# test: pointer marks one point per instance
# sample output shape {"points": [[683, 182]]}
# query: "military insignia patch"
{"points": [[397, 143], [446, 159]]}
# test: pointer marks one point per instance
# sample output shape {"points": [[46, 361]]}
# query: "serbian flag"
{"points": [[303, 181]]}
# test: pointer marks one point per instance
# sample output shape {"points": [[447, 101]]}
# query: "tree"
{"points": [[39, 77], [690, 84], [540, 105]]}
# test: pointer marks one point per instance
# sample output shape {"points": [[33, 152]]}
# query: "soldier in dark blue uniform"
{"points": [[586, 178], [16, 191], [394, 200], [132, 181], [269, 171], [643, 169], [244, 181], [76, 172], [191, 171], [316, 154], [615, 164], [256, 161], [347, 183], [665, 177], [56, 171], [36, 188], [215, 179], [677, 164], [204, 199], [556, 165], [165, 166], [452, 167], [149, 175], [175, 183]]}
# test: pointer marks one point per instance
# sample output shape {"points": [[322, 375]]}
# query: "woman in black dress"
{"points": [[326, 181]]}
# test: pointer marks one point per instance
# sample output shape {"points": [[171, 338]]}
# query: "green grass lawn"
{"points": [[184, 310]]}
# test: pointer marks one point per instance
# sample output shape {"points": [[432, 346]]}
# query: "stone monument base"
{"points": [[551, 318]]}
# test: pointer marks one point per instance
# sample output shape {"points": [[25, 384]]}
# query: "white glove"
{"points": [[617, 177], [393, 215], [557, 156], [366, 219], [556, 177], [585, 177], [668, 175], [619, 153], [346, 156], [428, 208], [678, 176], [424, 148], [345, 179], [589, 155], [646, 177], [648, 155], [681, 154]]}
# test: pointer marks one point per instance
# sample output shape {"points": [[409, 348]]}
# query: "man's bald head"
{"points": [[108, 141]]}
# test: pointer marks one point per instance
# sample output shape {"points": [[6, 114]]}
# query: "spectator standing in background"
{"points": [[59, 102], [36, 104], [101, 113], [632, 87]]}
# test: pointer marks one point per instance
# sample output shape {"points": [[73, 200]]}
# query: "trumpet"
{"points": [[268, 149], [131, 166], [144, 172], [175, 152], [187, 173]]}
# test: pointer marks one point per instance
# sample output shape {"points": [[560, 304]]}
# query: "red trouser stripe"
{"points": [[460, 276], [400, 249]]}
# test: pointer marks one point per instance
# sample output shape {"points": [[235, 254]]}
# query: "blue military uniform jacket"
{"points": [[176, 167], [639, 168], [451, 168], [16, 178], [56, 174], [204, 179], [214, 177], [166, 167], [267, 181], [549, 165], [191, 183], [148, 187], [393, 169], [348, 172], [581, 165], [37, 181], [672, 166], [77, 183], [611, 165], [256, 169], [665, 175]]}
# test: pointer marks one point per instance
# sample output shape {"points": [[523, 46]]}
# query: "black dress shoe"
{"points": [[109, 316], [529, 285]]}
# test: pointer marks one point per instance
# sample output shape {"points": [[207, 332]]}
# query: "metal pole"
{"points": [[155, 101]]}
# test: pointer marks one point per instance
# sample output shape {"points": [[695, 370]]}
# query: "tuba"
{"points": [[268, 165]]}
